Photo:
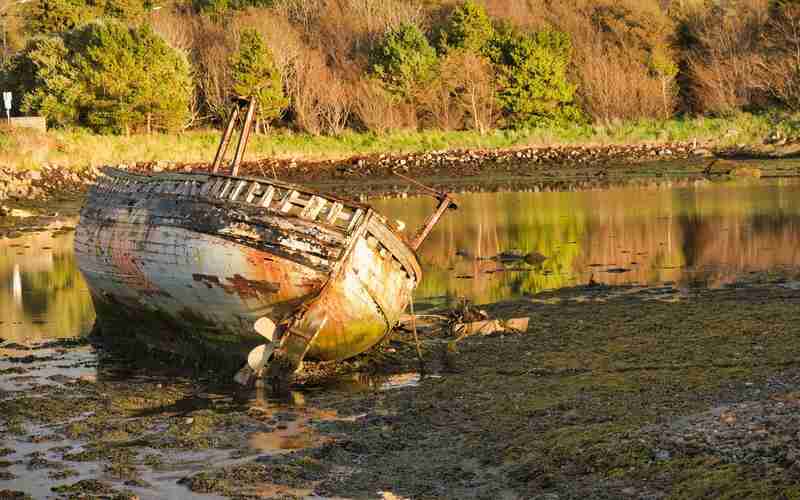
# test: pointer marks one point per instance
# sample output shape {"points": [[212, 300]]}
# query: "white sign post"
{"points": [[7, 104]]}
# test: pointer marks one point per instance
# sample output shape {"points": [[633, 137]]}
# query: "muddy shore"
{"points": [[610, 393], [543, 168]]}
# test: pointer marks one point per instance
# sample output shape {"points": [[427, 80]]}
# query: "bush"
{"points": [[254, 75], [404, 60], [532, 83], [107, 76], [51, 17], [468, 27]]}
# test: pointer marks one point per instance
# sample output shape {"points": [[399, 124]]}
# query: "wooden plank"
{"points": [[313, 208], [334, 212], [490, 326], [251, 192], [288, 201], [236, 191], [224, 191], [266, 200], [354, 220]]}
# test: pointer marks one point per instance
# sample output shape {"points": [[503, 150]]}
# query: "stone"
{"points": [[34, 175]]}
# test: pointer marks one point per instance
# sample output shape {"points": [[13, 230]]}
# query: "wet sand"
{"points": [[613, 392]]}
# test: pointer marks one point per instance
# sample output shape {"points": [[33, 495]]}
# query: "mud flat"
{"points": [[613, 392]]}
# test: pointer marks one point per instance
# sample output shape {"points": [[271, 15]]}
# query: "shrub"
{"points": [[57, 16], [254, 74], [404, 60], [468, 27], [724, 56], [532, 83], [107, 76]]}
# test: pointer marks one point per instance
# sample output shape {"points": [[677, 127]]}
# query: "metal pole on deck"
{"points": [[223, 145], [240, 147]]}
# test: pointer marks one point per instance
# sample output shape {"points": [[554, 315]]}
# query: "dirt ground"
{"points": [[611, 393]]}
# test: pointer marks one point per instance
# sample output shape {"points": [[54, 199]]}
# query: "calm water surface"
{"points": [[697, 235]]}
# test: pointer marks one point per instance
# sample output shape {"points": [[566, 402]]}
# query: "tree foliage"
{"points": [[403, 60], [51, 17], [468, 27], [254, 74], [533, 87], [104, 75]]}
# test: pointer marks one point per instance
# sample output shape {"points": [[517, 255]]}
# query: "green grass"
{"points": [[77, 148]]}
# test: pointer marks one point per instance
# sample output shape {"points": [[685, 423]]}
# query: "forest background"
{"points": [[126, 80]]}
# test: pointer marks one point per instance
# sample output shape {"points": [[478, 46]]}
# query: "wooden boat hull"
{"points": [[188, 263]]}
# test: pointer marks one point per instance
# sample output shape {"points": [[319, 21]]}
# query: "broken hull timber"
{"points": [[188, 262]]}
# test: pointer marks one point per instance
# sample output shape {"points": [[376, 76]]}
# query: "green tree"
{"points": [[468, 27], [48, 83], [533, 88], [403, 60], [51, 17], [662, 64], [105, 75], [255, 75]]}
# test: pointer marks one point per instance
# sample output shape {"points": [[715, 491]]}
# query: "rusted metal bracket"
{"points": [[445, 202], [244, 135]]}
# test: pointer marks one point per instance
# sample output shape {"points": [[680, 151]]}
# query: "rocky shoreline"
{"points": [[550, 164]]}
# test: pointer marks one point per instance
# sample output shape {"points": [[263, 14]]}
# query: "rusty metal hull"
{"points": [[189, 262]]}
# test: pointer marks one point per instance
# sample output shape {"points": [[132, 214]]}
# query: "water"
{"points": [[698, 235]]}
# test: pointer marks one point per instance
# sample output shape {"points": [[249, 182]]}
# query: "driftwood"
{"points": [[490, 326]]}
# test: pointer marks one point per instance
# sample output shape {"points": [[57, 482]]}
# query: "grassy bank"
{"points": [[27, 149]]}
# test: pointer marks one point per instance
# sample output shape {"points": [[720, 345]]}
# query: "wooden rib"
{"points": [[251, 192], [225, 188], [354, 220], [267, 198], [288, 200], [334, 212], [235, 192], [313, 208]]}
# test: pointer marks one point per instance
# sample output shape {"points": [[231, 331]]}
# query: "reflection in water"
{"points": [[42, 293], [706, 234]]}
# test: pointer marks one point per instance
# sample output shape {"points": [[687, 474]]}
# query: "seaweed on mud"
{"points": [[293, 471], [14, 495]]}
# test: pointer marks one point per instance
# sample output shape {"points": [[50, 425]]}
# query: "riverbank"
{"points": [[61, 163], [538, 168], [611, 392]]}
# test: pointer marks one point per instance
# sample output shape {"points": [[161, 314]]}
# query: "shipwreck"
{"points": [[238, 269]]}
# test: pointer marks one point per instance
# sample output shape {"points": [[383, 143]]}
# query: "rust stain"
{"points": [[207, 280], [246, 288]]}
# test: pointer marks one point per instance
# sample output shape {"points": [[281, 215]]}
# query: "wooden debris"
{"points": [[490, 326]]}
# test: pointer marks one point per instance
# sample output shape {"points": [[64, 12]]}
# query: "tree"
{"points": [[403, 60], [47, 81], [468, 27], [532, 82], [51, 17], [104, 75], [663, 65], [255, 75]]}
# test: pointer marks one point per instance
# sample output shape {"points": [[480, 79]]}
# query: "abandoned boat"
{"points": [[234, 268]]}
